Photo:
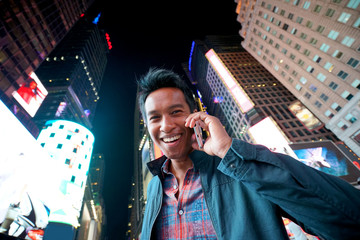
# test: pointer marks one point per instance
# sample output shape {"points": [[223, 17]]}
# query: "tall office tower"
{"points": [[93, 220], [254, 93], [259, 109], [72, 75], [29, 31], [313, 49]]}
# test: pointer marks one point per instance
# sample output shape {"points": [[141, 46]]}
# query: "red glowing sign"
{"points": [[108, 40]]}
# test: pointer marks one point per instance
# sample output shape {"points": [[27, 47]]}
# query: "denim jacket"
{"points": [[249, 190]]}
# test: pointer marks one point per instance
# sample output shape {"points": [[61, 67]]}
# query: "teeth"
{"points": [[171, 139]]}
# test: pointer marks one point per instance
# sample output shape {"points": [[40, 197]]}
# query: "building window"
{"points": [[297, 46], [318, 104], [324, 47], [306, 5], [317, 58], [348, 41], [313, 41], [298, 87], [357, 23], [321, 77], [333, 34], [52, 135], [330, 12], [349, 117], [344, 17], [337, 54], [288, 41], [317, 8], [324, 97], [329, 66], [290, 16], [299, 20], [342, 75], [309, 24], [301, 62], [356, 84], [329, 114], [285, 27], [59, 146], [307, 95], [68, 137], [306, 52], [303, 36], [67, 161], [353, 62], [310, 69], [335, 106], [296, 2], [333, 86], [293, 31], [292, 56], [353, 4], [303, 80], [73, 179], [275, 9], [313, 88], [320, 29], [61, 127], [346, 95]]}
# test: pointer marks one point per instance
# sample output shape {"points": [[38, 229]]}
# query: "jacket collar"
{"points": [[198, 158]]}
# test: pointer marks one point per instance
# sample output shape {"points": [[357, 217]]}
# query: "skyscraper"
{"points": [[312, 48], [262, 95], [29, 31], [72, 74]]}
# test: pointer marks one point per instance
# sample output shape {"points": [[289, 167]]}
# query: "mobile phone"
{"points": [[198, 135]]}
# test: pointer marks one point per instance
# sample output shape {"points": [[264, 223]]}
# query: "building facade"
{"points": [[29, 31], [313, 49], [72, 74]]}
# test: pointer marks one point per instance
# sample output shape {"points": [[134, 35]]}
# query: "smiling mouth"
{"points": [[171, 139]]}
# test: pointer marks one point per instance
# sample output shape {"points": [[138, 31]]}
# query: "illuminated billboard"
{"points": [[230, 82], [27, 179], [305, 116], [267, 133], [70, 145], [326, 157], [31, 94]]}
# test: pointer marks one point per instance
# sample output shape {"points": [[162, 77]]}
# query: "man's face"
{"points": [[166, 110]]}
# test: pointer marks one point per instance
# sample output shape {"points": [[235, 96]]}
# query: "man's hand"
{"points": [[218, 142]]}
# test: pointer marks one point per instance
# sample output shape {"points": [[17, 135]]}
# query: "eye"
{"points": [[176, 111], [153, 117]]}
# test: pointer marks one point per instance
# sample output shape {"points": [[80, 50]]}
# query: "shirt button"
{"points": [[175, 186], [181, 212], [188, 181], [232, 165]]}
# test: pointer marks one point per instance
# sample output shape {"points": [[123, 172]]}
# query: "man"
{"points": [[230, 189]]}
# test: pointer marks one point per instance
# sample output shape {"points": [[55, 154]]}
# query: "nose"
{"points": [[167, 124]]}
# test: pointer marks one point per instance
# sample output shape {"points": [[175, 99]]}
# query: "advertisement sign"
{"points": [[70, 145], [267, 133], [230, 82], [31, 94], [327, 157], [27, 179], [305, 116]]}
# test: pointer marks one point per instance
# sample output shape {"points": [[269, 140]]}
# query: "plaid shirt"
{"points": [[186, 217]]}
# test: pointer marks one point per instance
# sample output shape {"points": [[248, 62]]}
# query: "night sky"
{"points": [[144, 34]]}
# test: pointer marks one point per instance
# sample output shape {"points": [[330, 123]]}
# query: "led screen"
{"points": [[70, 145], [267, 133], [27, 179], [327, 157], [305, 116], [31, 94], [230, 82]]}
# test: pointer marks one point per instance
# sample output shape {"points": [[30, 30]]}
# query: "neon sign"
{"points": [[108, 41], [229, 81]]}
